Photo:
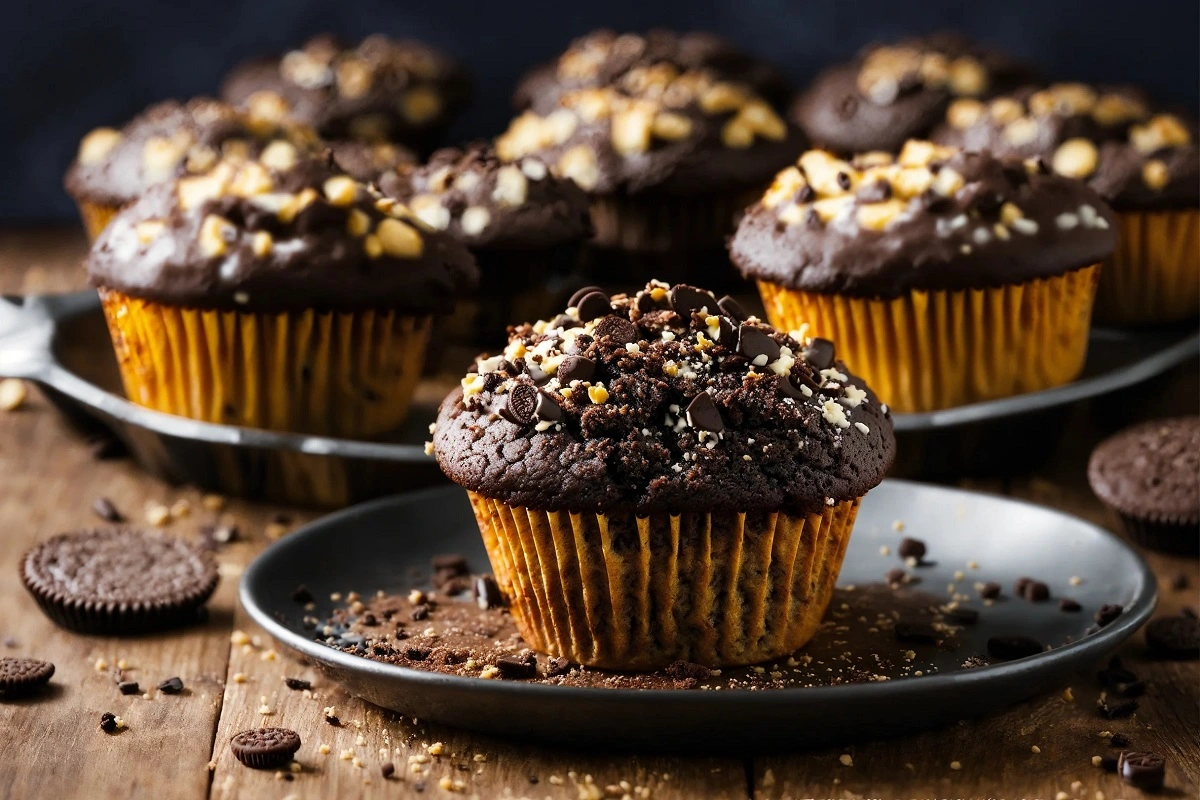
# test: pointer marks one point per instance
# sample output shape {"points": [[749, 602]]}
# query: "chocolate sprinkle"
{"points": [[297, 684]]}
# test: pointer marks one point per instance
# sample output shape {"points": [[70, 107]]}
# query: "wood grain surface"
{"points": [[176, 746]]}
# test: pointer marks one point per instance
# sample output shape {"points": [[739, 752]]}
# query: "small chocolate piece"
{"points": [[616, 330], [517, 667], [420, 612], [917, 633], [297, 684], [732, 308], [895, 576], [520, 405], [575, 368], [582, 293], [1108, 763], [265, 748], [1120, 740], [1174, 638], [129, 687], [990, 590], [702, 414], [416, 653], [1145, 771], [1034, 591], [686, 299], [556, 666], [728, 335], [1118, 711], [819, 353], [108, 722], [1107, 614], [106, 511], [687, 670], [302, 595], [962, 616], [23, 676], [333, 720], [387, 770], [487, 592], [171, 686], [756, 345], [594, 305], [912, 548], [1067, 604], [547, 409], [1009, 648]]}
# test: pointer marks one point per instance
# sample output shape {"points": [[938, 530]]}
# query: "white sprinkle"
{"points": [[1024, 225], [668, 336], [1066, 221]]}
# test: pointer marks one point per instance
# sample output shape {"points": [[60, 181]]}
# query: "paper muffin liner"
{"points": [[617, 591], [926, 351], [326, 374], [1179, 537], [1153, 277], [96, 217]]}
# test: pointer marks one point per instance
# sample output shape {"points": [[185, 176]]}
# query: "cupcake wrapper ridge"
{"points": [[1154, 276]]}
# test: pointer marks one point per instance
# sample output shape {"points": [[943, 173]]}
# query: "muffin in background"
{"points": [[273, 294], [891, 93], [946, 277], [524, 226], [166, 141], [659, 476], [602, 57], [667, 156], [381, 89], [1149, 475], [1141, 160]]}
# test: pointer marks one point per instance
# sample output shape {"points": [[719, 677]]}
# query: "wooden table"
{"points": [[177, 746]]}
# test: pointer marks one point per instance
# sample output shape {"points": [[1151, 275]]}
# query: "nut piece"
{"points": [[358, 223], [474, 220], [215, 234], [1116, 109], [1005, 110], [1155, 174], [736, 134], [279, 155], [876, 216], [399, 240], [965, 112], [671, 127], [579, 165], [1075, 158], [12, 394], [341, 190], [161, 155], [722, 98], [631, 129], [261, 244], [968, 77], [98, 144], [1021, 131], [511, 186], [1164, 130], [420, 105], [353, 78]]}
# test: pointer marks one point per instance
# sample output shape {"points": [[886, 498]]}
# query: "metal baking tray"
{"points": [[60, 342]]}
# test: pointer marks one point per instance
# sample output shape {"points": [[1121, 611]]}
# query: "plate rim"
{"points": [[1095, 646]]}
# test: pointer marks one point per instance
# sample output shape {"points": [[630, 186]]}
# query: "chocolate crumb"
{"points": [[387, 770], [296, 684], [302, 595], [962, 616], [895, 576], [1034, 591], [912, 548], [1119, 711], [108, 722], [1067, 604], [1107, 614], [517, 667], [171, 686], [105, 510], [557, 666], [990, 590], [451, 562], [333, 720], [1120, 740], [129, 687]]}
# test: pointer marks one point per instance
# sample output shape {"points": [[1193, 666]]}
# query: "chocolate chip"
{"points": [[108, 722], [756, 345], [106, 511], [557, 666], [895, 575], [788, 388], [387, 770], [333, 720], [916, 633], [171, 686], [1142, 770], [1009, 648], [520, 405], [575, 368], [539, 375], [129, 687], [1034, 591], [990, 590], [686, 299], [728, 334], [593, 305], [302, 595], [420, 612], [874, 192], [1107, 614], [702, 414], [297, 684], [563, 321], [1119, 711], [1174, 638], [517, 667], [1120, 740], [843, 181], [487, 592], [911, 548], [1067, 604], [575, 299], [547, 409], [732, 308], [963, 616], [617, 330]]}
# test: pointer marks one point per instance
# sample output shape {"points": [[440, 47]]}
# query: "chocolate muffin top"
{"points": [[279, 233], [606, 58], [171, 139], [1151, 471], [380, 89], [1109, 137], [932, 218], [665, 401], [658, 128], [486, 203], [894, 92]]}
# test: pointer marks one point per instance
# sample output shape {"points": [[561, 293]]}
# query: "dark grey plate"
{"points": [[378, 545], [61, 342]]}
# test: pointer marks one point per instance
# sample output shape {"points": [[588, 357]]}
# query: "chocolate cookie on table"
{"points": [[1149, 475], [380, 89], [1145, 162], [917, 265], [524, 225], [894, 92], [167, 141], [676, 452]]}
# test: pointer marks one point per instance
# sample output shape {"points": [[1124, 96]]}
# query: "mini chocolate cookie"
{"points": [[1150, 475], [265, 748], [23, 676], [116, 581]]}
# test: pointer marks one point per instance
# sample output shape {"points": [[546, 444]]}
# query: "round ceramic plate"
{"points": [[378, 546]]}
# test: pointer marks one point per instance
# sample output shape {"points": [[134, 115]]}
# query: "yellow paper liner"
{"points": [[96, 217], [621, 592], [1153, 278], [926, 351], [327, 374]]}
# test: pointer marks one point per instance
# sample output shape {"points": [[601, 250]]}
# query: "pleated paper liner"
{"points": [[96, 217], [926, 351], [327, 374], [1153, 278], [1179, 537], [621, 592]]}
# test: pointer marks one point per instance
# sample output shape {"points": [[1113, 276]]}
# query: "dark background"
{"points": [[70, 67]]}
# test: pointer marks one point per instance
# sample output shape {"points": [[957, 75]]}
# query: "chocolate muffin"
{"points": [[1150, 476], [947, 277], [604, 57], [667, 156], [1143, 161], [378, 90], [523, 225], [659, 476], [167, 141], [285, 296], [894, 92]]}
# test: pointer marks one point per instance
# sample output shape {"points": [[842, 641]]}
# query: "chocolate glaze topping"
{"points": [[169, 140], [380, 89], [933, 218], [485, 202], [279, 234], [891, 93], [661, 402]]}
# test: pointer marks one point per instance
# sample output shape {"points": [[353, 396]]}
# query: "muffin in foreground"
{"points": [[1143, 161], [275, 293], [1150, 476], [524, 226], [895, 92], [167, 141], [946, 277], [381, 89], [660, 477]]}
